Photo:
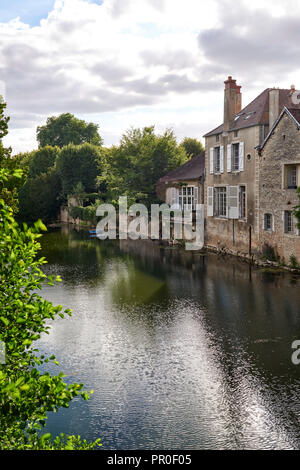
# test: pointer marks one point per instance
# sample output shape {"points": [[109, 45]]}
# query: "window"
{"points": [[220, 202], [242, 202], [268, 222], [217, 160], [218, 138], [235, 157], [236, 133], [188, 196], [288, 221], [291, 176]]}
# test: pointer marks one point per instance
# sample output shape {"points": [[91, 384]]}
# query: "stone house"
{"points": [[232, 164], [184, 186], [279, 178]]}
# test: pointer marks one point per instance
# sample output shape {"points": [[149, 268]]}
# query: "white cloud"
{"points": [[140, 62]]}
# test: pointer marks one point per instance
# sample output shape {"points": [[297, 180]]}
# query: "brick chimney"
{"points": [[232, 101], [273, 105]]}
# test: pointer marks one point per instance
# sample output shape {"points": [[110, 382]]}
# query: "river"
{"points": [[183, 350]]}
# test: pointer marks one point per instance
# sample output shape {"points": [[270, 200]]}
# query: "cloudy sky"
{"points": [[123, 63]]}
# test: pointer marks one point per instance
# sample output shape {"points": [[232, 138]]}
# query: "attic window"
{"points": [[237, 117]]}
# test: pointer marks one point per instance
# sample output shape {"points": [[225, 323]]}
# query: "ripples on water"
{"points": [[184, 351]]}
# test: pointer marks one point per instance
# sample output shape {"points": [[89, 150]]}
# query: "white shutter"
{"points": [[196, 195], [241, 159], [233, 202], [211, 159], [210, 201], [228, 158], [222, 159]]}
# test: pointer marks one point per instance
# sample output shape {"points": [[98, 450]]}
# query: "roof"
{"points": [[191, 170], [257, 112], [292, 113], [296, 114]]}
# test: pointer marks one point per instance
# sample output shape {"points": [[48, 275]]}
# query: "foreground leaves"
{"points": [[27, 394]]}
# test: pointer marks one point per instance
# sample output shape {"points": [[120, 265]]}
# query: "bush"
{"points": [[293, 262], [26, 394], [269, 253]]}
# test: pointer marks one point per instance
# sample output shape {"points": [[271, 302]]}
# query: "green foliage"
{"points": [[269, 253], [293, 262], [79, 163], [9, 186], [133, 168], [4, 120], [86, 214], [67, 129], [192, 147], [26, 394], [42, 160], [297, 209], [39, 197]]}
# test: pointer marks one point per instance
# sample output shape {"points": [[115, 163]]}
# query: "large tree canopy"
{"points": [[42, 160], [79, 164], [192, 147], [134, 167], [39, 197], [67, 129]]}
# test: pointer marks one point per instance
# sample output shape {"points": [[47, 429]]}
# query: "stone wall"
{"points": [[282, 148]]}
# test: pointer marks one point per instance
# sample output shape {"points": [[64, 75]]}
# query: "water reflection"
{"points": [[183, 350]]}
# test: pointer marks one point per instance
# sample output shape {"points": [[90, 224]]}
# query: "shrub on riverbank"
{"points": [[26, 394]]}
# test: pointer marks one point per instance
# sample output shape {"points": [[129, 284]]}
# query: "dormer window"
{"points": [[249, 115]]}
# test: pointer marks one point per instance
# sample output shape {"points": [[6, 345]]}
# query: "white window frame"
{"points": [[231, 163], [188, 197], [218, 202]]}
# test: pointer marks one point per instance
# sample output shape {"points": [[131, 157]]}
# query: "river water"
{"points": [[184, 351]]}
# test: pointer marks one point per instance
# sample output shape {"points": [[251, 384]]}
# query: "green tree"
{"points": [[67, 129], [42, 160], [297, 209], [142, 157], [27, 394], [192, 147], [9, 186], [39, 197], [4, 120], [79, 164]]}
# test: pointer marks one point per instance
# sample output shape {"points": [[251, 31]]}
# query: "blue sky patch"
{"points": [[30, 11]]}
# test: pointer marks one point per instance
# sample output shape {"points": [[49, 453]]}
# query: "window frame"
{"points": [[242, 203], [288, 223], [268, 229], [220, 201], [235, 145]]}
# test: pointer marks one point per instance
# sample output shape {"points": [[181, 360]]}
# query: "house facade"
{"points": [[279, 178], [184, 186], [232, 160]]}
